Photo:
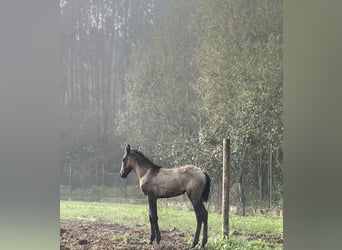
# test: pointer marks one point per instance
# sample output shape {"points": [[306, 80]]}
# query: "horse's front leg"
{"points": [[155, 232]]}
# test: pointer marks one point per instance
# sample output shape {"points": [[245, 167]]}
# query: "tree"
{"points": [[240, 64], [161, 98], [96, 37]]}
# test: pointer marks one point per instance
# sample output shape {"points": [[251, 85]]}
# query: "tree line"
{"points": [[173, 78]]}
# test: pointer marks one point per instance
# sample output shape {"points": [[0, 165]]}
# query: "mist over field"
{"points": [[172, 78]]}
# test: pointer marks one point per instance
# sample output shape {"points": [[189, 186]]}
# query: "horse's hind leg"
{"points": [[205, 225], [199, 219]]}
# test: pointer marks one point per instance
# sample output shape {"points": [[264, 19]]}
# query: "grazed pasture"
{"points": [[91, 225]]}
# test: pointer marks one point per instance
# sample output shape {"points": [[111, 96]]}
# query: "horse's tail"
{"points": [[205, 193]]}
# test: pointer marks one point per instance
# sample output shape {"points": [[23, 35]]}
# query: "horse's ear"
{"points": [[128, 148]]}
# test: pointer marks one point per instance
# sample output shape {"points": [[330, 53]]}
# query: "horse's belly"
{"points": [[169, 189], [166, 184], [167, 193]]}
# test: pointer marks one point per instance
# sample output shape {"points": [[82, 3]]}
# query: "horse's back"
{"points": [[186, 171], [190, 170], [193, 176]]}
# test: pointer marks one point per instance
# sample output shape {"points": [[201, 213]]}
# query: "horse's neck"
{"points": [[141, 172]]}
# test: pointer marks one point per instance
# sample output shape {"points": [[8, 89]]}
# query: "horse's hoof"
{"points": [[193, 246]]}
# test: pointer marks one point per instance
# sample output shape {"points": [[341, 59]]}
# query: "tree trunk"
{"points": [[270, 178], [242, 192], [225, 188]]}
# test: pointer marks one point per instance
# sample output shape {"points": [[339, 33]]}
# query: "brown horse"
{"points": [[157, 182]]}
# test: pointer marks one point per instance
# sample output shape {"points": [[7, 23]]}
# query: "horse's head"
{"points": [[127, 164]]}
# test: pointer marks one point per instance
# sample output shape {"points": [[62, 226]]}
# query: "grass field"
{"points": [[133, 215]]}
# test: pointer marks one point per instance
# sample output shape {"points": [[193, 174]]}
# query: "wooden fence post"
{"points": [[225, 188]]}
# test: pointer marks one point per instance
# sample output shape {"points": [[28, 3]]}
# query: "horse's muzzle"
{"points": [[124, 173]]}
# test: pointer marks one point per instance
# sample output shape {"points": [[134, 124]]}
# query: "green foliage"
{"points": [[160, 110], [260, 224], [240, 81]]}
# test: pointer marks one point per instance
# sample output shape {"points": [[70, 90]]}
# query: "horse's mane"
{"points": [[143, 160]]}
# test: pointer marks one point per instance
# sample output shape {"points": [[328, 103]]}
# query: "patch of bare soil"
{"points": [[88, 235], [81, 235]]}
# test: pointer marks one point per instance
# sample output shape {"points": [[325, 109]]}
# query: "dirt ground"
{"points": [[100, 235], [81, 235]]}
